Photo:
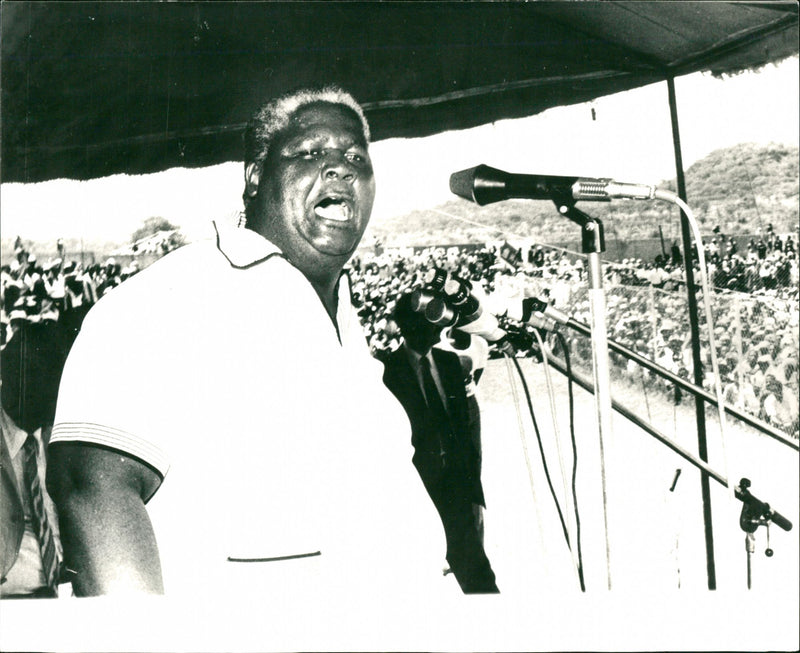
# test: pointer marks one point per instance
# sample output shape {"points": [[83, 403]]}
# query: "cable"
{"points": [[515, 397], [557, 434], [541, 448], [565, 347], [752, 192], [669, 196], [644, 392], [551, 398]]}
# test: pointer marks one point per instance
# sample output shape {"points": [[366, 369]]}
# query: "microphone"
{"points": [[462, 310], [538, 313], [420, 299], [754, 510], [484, 185], [434, 282]]}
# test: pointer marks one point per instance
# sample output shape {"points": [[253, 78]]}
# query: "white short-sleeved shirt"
{"points": [[219, 367]]}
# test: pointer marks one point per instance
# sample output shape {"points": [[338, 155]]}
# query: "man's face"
{"points": [[419, 333], [316, 188]]}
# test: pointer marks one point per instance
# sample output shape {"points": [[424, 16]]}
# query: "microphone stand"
{"points": [[593, 244], [755, 512]]}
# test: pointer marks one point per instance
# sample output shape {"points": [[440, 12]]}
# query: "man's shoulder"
{"points": [[398, 372], [393, 361], [158, 290], [178, 263], [445, 357]]}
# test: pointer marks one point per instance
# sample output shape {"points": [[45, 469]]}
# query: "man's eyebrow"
{"points": [[311, 135], [354, 140]]}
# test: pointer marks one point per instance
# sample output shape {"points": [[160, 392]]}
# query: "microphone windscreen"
{"points": [[482, 184], [419, 300], [462, 183], [439, 312]]}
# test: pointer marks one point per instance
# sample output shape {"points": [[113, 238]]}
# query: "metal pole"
{"points": [[602, 393], [632, 417], [737, 338], [763, 427], [694, 325], [653, 320], [592, 243]]}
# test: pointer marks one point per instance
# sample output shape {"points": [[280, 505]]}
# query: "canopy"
{"points": [[91, 89]]}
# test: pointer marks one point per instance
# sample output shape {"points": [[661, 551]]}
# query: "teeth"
{"points": [[336, 211]]}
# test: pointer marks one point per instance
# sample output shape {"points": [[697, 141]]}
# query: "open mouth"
{"points": [[332, 208]]}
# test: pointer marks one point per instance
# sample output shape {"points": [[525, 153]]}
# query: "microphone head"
{"points": [[420, 299], [482, 184], [462, 183], [440, 313]]}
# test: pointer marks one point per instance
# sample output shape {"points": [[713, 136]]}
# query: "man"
{"points": [[29, 538], [264, 459], [777, 406], [445, 424]]}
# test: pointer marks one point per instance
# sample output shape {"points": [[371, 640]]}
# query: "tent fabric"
{"points": [[91, 89]]}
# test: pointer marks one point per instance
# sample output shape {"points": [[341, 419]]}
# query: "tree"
{"points": [[152, 226]]}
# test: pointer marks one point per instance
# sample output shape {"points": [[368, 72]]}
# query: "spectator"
{"points": [[445, 426], [775, 404], [30, 545]]}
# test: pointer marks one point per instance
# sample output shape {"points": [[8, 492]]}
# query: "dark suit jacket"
{"points": [[12, 518], [464, 451]]}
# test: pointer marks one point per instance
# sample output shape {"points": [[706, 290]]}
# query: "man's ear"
{"points": [[252, 173]]}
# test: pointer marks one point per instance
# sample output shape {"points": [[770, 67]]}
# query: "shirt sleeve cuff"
{"points": [[111, 438]]}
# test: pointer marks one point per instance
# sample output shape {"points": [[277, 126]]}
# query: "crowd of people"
{"points": [[768, 262], [56, 290], [755, 306], [756, 333]]}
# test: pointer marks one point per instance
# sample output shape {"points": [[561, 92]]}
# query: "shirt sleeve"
{"points": [[118, 381]]}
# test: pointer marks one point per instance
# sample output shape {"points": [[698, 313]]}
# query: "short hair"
{"points": [[273, 116]]}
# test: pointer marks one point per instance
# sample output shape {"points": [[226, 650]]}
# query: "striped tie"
{"points": [[44, 532]]}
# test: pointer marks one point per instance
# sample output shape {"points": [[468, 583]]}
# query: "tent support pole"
{"points": [[694, 325]]}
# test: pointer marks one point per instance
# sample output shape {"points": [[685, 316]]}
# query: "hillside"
{"points": [[741, 189]]}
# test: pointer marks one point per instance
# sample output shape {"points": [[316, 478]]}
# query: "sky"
{"points": [[629, 138]]}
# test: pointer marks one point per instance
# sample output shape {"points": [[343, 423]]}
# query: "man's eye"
{"points": [[312, 153]]}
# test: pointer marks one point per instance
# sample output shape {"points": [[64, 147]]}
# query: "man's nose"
{"points": [[337, 166]]}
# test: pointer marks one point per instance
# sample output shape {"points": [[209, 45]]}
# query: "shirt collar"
{"points": [[346, 317], [243, 247], [415, 357]]}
